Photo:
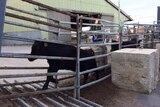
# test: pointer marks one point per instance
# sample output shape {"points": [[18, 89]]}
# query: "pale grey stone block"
{"points": [[135, 69]]}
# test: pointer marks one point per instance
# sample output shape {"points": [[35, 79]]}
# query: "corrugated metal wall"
{"points": [[98, 6]]}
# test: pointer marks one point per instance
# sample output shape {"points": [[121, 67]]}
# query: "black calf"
{"points": [[54, 49], [125, 43]]}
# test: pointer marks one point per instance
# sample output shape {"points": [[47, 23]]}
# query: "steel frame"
{"points": [[77, 87]]}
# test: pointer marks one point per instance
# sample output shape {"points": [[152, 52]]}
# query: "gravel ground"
{"points": [[104, 93]]}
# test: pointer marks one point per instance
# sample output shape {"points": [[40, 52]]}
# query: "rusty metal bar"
{"points": [[68, 99], [49, 7], [38, 102], [71, 99], [18, 100], [30, 13], [34, 93], [90, 102], [38, 86], [47, 98], [22, 83], [37, 21], [22, 102]]}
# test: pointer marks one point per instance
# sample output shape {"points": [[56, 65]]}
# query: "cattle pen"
{"points": [[62, 97]]}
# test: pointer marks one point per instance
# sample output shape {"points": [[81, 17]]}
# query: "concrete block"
{"points": [[135, 69], [158, 47]]}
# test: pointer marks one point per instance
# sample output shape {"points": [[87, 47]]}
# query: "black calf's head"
{"points": [[38, 48]]}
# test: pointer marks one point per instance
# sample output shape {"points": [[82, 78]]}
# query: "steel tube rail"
{"points": [[88, 18], [17, 39], [89, 24], [95, 69], [94, 82], [31, 27], [30, 13], [2, 16], [98, 44], [37, 21], [33, 75], [93, 57], [21, 83], [16, 55], [31, 82], [67, 33], [99, 32], [34, 93], [32, 40], [49, 7], [130, 45], [20, 68], [139, 24]]}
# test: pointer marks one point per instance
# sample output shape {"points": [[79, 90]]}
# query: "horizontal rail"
{"points": [[98, 44], [30, 13], [95, 69], [16, 55], [37, 21], [49, 7], [20, 68], [89, 18], [93, 57], [31, 82], [94, 82], [99, 32], [30, 27], [33, 75], [89, 24], [90, 102], [139, 24], [21, 83], [34, 93], [123, 46], [32, 40]]}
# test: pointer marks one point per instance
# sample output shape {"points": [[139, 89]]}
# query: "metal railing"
{"points": [[115, 29]]}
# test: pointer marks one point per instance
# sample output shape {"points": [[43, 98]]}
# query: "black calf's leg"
{"points": [[97, 75], [85, 78], [49, 79]]}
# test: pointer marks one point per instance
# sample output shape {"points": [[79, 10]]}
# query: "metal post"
{"points": [[2, 16], [77, 79], [120, 36]]}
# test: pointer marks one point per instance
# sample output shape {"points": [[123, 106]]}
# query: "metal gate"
{"points": [[101, 33]]}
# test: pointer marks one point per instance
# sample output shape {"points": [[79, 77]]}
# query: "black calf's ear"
{"points": [[45, 44]]}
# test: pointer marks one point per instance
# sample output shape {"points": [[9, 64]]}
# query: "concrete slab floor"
{"points": [[104, 93]]}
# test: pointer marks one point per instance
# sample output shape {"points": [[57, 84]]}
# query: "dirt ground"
{"points": [[103, 93]]}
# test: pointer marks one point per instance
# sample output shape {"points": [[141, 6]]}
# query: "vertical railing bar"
{"points": [[2, 17], [77, 84]]}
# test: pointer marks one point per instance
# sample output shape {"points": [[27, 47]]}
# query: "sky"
{"points": [[142, 11]]}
